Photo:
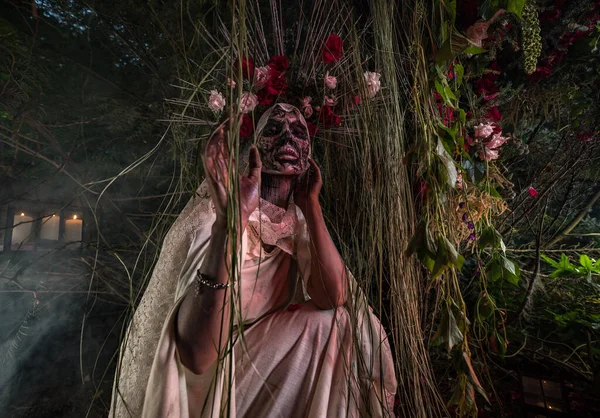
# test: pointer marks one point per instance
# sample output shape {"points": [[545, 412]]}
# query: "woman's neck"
{"points": [[277, 189]]}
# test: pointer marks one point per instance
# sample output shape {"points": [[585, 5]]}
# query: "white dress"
{"points": [[294, 360]]}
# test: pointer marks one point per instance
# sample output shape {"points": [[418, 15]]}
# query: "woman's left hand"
{"points": [[308, 187]]}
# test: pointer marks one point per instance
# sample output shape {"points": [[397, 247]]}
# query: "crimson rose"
{"points": [[247, 68], [247, 126], [332, 49], [329, 119]]}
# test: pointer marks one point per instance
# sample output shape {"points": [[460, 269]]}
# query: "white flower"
{"points": [[483, 130], [329, 101], [216, 101], [307, 109], [330, 81], [373, 83], [261, 76], [248, 102]]}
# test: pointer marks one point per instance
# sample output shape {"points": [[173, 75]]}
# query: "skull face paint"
{"points": [[283, 141]]}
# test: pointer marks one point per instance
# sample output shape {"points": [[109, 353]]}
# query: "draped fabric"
{"points": [[291, 360]]}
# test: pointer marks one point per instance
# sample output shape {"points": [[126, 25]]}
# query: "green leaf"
{"points": [[516, 7], [549, 260], [462, 116], [510, 270], [452, 47], [459, 72], [445, 92], [485, 308], [475, 50], [441, 260], [564, 263], [585, 261], [450, 94], [448, 164], [493, 270], [448, 332]]}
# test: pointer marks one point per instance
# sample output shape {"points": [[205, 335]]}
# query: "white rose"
{"points": [[373, 83], [261, 77], [248, 102], [216, 101], [330, 81]]}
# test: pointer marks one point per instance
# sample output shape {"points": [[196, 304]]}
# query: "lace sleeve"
{"points": [[140, 342]]}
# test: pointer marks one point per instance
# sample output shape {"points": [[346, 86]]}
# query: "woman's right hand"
{"points": [[216, 169]]}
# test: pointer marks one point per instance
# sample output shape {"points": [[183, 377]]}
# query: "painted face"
{"points": [[283, 142]]}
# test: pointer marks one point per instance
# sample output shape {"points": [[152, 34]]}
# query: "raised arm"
{"points": [[328, 281], [202, 328]]}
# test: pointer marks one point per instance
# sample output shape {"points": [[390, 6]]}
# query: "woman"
{"points": [[310, 345]]}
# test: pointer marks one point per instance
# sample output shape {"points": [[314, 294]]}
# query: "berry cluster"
{"points": [[532, 40]]}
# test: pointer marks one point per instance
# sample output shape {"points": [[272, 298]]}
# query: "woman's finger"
{"points": [[316, 169], [255, 164]]}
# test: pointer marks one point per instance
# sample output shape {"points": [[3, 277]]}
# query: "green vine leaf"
{"points": [[448, 164], [459, 72], [448, 332], [516, 7]]}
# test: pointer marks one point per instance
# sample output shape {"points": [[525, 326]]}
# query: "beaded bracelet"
{"points": [[201, 281]]}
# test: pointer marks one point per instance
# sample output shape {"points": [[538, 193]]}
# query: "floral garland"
{"points": [[265, 85]]}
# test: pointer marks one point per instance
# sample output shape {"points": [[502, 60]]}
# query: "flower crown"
{"points": [[266, 85]]}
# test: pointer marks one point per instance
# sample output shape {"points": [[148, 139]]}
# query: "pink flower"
{"points": [[373, 83], [488, 154], [477, 33], [496, 141], [483, 130], [329, 101], [459, 180], [261, 77], [330, 81], [248, 102], [216, 101], [532, 192], [306, 108], [230, 82]]}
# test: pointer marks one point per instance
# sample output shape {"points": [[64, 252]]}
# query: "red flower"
{"points": [[276, 84], [497, 128], [532, 192], [494, 114], [332, 49], [247, 68], [329, 119], [540, 72], [469, 140], [584, 136], [264, 97], [312, 128], [485, 85], [279, 63], [247, 126]]}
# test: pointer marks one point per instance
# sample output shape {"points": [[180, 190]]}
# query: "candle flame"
{"points": [[74, 216], [22, 213]]}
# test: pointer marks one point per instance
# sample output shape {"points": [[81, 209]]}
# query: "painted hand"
{"points": [[308, 187], [216, 168]]}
